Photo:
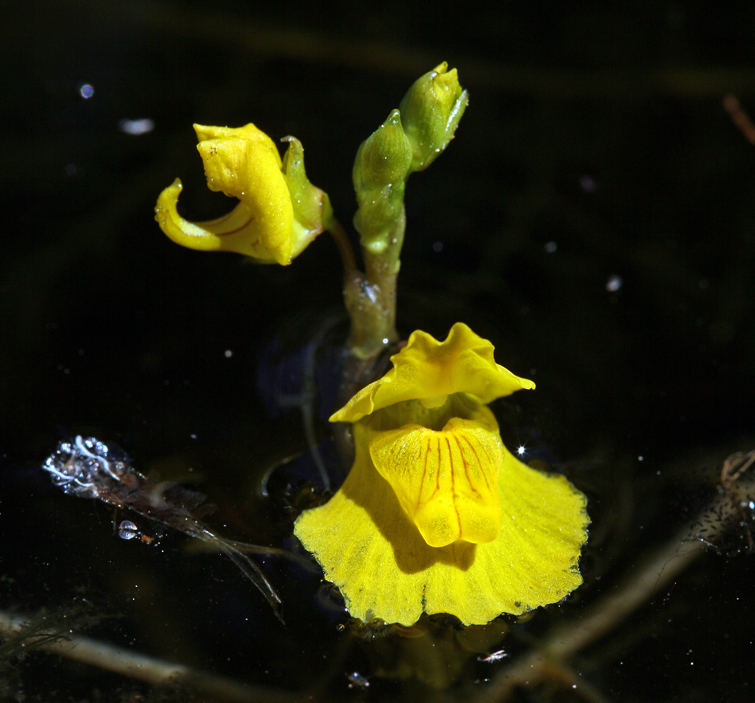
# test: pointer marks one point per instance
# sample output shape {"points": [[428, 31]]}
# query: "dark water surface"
{"points": [[594, 218]]}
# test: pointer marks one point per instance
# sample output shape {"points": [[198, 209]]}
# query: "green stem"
{"points": [[371, 298]]}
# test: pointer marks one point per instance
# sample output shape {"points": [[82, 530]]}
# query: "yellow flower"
{"points": [[436, 515], [280, 212]]}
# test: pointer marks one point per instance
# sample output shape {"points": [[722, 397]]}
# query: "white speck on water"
{"points": [[614, 283], [143, 125]]}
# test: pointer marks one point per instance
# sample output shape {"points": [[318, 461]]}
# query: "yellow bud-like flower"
{"points": [[437, 515], [431, 112], [279, 212]]}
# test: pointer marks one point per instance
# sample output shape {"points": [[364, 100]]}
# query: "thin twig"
{"points": [[739, 117], [344, 246], [144, 668]]}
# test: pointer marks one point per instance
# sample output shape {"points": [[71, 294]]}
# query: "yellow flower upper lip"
{"points": [[426, 369], [279, 212]]}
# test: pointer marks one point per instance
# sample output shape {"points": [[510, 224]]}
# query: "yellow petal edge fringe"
{"points": [[437, 515], [273, 222]]}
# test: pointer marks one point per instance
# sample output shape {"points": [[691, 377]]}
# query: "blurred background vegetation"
{"points": [[594, 217]]}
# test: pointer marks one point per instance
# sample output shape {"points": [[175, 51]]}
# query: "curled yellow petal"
{"points": [[429, 369], [237, 231], [372, 551], [248, 170], [446, 481]]}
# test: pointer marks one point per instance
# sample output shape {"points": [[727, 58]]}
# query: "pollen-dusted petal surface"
{"points": [[371, 550], [249, 170], [446, 481], [248, 132], [427, 368]]}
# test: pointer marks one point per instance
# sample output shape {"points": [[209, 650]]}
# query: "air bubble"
{"points": [[128, 530]]}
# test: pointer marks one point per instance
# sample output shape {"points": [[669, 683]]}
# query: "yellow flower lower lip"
{"points": [[236, 231], [225, 218], [446, 481], [371, 550]]}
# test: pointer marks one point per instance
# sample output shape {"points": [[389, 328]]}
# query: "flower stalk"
{"points": [[409, 140], [370, 297]]}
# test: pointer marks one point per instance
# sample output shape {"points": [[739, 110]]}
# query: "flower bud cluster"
{"points": [[409, 140]]}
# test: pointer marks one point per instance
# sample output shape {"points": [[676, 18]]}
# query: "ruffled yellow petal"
{"points": [[446, 481], [371, 550], [431, 370]]}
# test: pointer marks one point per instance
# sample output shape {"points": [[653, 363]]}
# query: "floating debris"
{"points": [[89, 468], [128, 530], [729, 528], [356, 680], [494, 656]]}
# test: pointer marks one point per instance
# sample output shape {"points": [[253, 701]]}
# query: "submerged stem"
{"points": [[141, 667]]}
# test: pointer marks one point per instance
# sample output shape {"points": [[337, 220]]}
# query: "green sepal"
{"points": [[311, 205]]}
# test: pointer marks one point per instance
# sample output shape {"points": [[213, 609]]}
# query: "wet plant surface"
{"points": [[593, 218]]}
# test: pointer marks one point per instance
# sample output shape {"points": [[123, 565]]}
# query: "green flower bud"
{"points": [[385, 157], [381, 168], [430, 113]]}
